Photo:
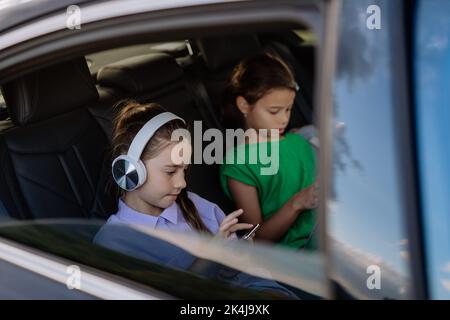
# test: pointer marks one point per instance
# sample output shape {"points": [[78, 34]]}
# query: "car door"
{"points": [[47, 40]]}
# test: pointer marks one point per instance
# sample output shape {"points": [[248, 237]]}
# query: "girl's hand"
{"points": [[307, 198], [230, 224]]}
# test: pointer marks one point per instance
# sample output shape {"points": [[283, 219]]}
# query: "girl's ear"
{"points": [[242, 105]]}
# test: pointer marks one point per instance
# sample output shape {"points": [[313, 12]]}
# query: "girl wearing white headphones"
{"points": [[152, 186]]}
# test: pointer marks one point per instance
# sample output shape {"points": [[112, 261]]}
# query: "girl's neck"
{"points": [[136, 203]]}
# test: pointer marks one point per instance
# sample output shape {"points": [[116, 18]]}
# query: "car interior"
{"points": [[56, 122]]}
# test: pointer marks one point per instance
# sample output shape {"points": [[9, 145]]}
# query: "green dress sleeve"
{"points": [[239, 172]]}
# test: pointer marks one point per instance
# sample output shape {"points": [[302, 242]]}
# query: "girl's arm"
{"points": [[246, 197]]}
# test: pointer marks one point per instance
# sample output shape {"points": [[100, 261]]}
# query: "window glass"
{"points": [[431, 90], [366, 222]]}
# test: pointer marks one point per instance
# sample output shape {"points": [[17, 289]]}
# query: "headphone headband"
{"points": [[147, 131], [128, 170]]}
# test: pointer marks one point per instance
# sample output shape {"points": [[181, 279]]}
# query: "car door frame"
{"points": [[19, 58]]}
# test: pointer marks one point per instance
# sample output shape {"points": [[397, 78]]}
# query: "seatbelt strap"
{"points": [[202, 101]]}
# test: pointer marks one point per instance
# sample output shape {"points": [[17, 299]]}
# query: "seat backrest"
{"points": [[221, 54], [154, 77], [303, 111], [54, 157]]}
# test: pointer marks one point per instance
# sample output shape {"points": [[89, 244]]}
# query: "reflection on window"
{"points": [[366, 216], [200, 267]]}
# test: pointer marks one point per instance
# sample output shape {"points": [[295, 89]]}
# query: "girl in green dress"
{"points": [[260, 95]]}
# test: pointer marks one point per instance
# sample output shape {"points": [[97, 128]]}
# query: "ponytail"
{"points": [[190, 212]]}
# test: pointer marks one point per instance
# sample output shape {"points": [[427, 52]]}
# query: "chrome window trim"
{"points": [[95, 12], [325, 114]]}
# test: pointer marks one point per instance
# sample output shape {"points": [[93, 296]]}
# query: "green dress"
{"points": [[296, 170]]}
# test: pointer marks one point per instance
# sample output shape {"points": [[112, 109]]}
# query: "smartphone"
{"points": [[249, 234]]}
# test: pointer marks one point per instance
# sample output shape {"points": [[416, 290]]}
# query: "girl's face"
{"points": [[272, 111], [165, 176]]}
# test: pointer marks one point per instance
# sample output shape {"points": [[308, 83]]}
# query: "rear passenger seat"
{"points": [[54, 158]]}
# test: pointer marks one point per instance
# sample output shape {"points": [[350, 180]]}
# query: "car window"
{"points": [[432, 80], [308, 37], [366, 221]]}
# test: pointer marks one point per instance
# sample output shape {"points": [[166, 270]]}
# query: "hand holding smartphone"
{"points": [[250, 234]]}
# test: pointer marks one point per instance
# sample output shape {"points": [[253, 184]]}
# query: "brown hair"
{"points": [[131, 117], [253, 78]]}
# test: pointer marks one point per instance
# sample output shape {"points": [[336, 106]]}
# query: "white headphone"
{"points": [[128, 170]]}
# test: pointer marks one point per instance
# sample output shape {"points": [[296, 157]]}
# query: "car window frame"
{"points": [[36, 53]]}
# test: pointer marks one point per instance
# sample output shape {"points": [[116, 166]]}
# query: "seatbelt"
{"points": [[202, 101]]}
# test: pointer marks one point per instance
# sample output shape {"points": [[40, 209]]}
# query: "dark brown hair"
{"points": [[131, 117], [253, 78]]}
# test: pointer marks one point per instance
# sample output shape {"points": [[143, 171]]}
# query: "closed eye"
{"points": [[171, 170], [274, 110]]}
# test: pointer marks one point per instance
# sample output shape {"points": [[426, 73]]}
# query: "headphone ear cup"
{"points": [[126, 171], [142, 172]]}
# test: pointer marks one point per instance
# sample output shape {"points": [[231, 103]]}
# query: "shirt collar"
{"points": [[171, 213], [129, 215]]}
